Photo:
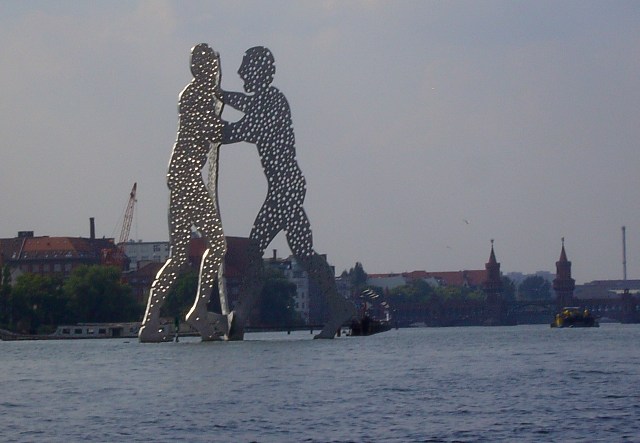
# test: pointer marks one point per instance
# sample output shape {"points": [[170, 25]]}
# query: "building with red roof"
{"points": [[51, 255], [465, 278]]}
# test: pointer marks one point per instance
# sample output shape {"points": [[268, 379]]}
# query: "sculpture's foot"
{"points": [[210, 326], [231, 317], [219, 322], [236, 327], [344, 311], [153, 333], [329, 331]]}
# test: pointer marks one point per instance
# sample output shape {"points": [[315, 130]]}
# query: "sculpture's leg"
{"points": [[210, 325], [151, 330], [340, 309], [222, 321], [222, 290], [179, 234], [265, 228], [225, 320], [250, 289], [226, 316], [300, 241]]}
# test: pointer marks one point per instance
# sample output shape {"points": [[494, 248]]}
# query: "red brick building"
{"points": [[52, 255]]}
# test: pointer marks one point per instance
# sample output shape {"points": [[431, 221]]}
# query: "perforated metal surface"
{"points": [[267, 123], [192, 203]]}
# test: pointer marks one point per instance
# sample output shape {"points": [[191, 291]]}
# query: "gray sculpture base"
{"points": [[341, 311], [211, 326], [236, 327], [151, 333]]}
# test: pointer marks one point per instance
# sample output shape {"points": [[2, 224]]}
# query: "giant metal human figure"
{"points": [[267, 124], [192, 204]]}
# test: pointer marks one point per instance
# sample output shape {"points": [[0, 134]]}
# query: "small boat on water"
{"points": [[98, 330], [368, 326], [79, 331], [574, 317]]}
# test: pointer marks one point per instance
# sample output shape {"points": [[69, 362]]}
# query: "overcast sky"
{"points": [[424, 129]]}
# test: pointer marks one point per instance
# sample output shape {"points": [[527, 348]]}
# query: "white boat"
{"points": [[97, 330]]}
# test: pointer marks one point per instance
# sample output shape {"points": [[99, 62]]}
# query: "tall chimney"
{"points": [[92, 228], [275, 254], [624, 254]]}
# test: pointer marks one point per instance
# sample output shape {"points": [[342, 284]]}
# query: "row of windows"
{"points": [[46, 268], [155, 258], [91, 331], [78, 331]]}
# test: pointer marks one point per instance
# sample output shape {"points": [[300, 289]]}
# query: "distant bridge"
{"points": [[625, 309]]}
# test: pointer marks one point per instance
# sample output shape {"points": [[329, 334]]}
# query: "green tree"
{"points": [[416, 291], [534, 287], [37, 303], [444, 293], [508, 289], [181, 297], [473, 294], [277, 300], [96, 294], [421, 289], [357, 277], [5, 294]]}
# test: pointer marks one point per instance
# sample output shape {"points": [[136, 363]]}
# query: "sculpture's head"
{"points": [[205, 63], [257, 69]]}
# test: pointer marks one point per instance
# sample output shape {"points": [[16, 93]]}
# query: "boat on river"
{"points": [[98, 330], [574, 317], [368, 326], [101, 330], [79, 331]]}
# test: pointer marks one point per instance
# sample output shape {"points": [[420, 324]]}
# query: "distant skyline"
{"points": [[424, 128]]}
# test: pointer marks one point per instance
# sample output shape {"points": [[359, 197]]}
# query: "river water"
{"points": [[476, 384]]}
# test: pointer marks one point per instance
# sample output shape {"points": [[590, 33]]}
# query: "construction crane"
{"points": [[116, 256], [128, 216]]}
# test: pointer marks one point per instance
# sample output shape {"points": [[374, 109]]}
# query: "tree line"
{"points": [[36, 304], [275, 307], [532, 287]]}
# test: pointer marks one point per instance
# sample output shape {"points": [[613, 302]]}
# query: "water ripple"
{"points": [[525, 384]]}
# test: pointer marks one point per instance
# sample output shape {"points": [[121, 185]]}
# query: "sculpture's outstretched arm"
{"points": [[237, 100], [232, 132]]}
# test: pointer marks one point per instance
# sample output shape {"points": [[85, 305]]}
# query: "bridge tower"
{"points": [[492, 287], [563, 284]]}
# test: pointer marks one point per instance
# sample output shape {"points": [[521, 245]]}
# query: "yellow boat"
{"points": [[574, 317]]}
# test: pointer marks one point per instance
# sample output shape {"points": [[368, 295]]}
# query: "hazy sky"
{"points": [[424, 128]]}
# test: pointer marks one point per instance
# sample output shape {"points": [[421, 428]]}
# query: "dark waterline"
{"points": [[524, 383]]}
